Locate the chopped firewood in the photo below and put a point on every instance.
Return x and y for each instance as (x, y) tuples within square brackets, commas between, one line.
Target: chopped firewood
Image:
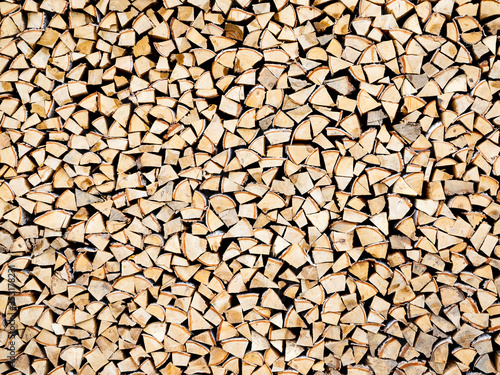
[(305, 187)]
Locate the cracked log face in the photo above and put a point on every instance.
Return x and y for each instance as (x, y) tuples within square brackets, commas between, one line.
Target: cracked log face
[(249, 187)]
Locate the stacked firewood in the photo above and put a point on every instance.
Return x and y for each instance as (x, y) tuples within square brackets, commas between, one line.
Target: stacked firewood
[(249, 187)]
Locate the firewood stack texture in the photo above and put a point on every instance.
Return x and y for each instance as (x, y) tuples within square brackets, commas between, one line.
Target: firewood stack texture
[(249, 187)]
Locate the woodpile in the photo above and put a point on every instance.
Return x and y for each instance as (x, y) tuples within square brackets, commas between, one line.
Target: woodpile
[(249, 187)]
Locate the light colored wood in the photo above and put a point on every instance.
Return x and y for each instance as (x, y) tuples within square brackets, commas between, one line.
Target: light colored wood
[(273, 187)]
